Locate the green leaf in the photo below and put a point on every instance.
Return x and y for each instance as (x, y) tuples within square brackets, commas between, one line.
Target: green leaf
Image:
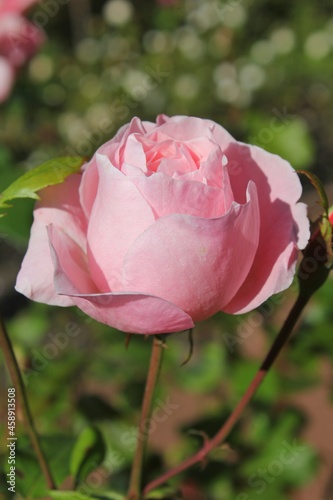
[(74, 495), (15, 227), (88, 453), (68, 495), (111, 495), (161, 493), (48, 174), (30, 483)]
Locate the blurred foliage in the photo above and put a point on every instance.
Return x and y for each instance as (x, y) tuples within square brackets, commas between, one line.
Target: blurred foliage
[(261, 69)]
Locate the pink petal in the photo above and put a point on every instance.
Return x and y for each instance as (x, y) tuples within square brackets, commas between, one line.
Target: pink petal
[(133, 153), (59, 205), (114, 148), (169, 196), (197, 264), (189, 128), (73, 261), (128, 312), (284, 224), (202, 128), (89, 186), (134, 127), (119, 215), (135, 312)]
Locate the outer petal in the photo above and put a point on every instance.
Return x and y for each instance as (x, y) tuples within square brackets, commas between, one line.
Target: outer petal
[(89, 186), (197, 264), (284, 224), (135, 312), (59, 205), (73, 262), (119, 215), (129, 312)]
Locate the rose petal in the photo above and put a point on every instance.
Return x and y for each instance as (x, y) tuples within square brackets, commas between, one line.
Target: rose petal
[(169, 196), (89, 186), (135, 127), (189, 128), (135, 312), (134, 154), (128, 312), (59, 205), (284, 224), (213, 130), (119, 215), (114, 147), (73, 262), (197, 264)]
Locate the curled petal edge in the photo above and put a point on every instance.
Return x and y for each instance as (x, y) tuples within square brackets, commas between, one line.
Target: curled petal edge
[(126, 311)]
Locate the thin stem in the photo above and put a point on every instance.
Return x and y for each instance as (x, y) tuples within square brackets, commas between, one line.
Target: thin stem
[(15, 375), (134, 492), (209, 445)]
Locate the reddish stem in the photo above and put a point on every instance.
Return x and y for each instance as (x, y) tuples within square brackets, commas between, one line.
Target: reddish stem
[(209, 445), (134, 492)]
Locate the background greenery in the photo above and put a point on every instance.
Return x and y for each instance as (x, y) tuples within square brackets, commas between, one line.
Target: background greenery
[(263, 69)]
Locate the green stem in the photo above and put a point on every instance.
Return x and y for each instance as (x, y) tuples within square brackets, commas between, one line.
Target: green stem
[(209, 445), (134, 492), (15, 375)]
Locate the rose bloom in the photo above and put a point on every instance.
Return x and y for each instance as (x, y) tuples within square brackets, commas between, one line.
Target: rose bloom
[(167, 224), (19, 40)]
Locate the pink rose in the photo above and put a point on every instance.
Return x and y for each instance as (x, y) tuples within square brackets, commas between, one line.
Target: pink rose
[(19, 40), (167, 224)]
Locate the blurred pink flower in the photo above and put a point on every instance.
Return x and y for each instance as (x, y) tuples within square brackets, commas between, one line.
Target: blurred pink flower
[(19, 40), (16, 6)]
